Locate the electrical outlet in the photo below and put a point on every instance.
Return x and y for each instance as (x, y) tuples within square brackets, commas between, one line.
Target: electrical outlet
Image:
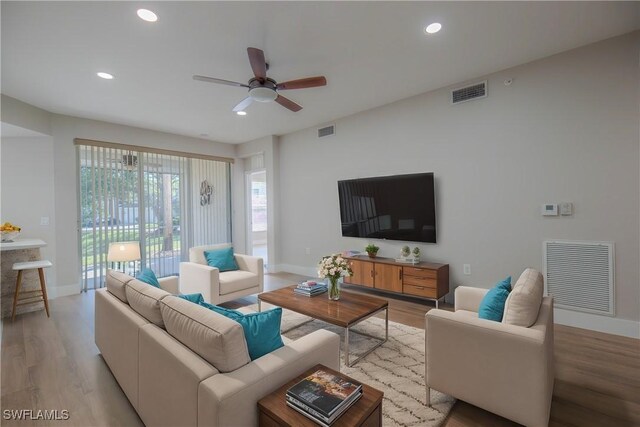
[(307, 251), (44, 220), (466, 268)]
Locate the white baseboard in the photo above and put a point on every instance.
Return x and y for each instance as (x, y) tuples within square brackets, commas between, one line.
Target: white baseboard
[(594, 322), (54, 292), (296, 269)]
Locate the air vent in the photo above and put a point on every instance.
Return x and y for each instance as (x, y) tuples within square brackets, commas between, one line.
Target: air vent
[(579, 275), (467, 93), (326, 131)]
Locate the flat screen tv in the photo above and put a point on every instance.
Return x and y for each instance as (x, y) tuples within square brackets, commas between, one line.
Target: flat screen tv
[(399, 207)]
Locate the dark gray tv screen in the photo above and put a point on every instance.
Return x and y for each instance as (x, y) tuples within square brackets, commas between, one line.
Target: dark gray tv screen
[(399, 207)]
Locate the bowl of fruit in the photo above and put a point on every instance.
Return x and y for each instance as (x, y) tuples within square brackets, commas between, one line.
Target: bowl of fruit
[(8, 232)]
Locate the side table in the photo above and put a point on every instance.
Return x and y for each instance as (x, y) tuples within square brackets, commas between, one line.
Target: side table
[(366, 412)]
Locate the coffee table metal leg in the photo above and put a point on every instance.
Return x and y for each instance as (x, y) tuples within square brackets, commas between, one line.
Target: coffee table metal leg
[(346, 346), (259, 305), (386, 324)]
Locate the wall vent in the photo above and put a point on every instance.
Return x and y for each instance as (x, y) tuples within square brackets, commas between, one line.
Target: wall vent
[(468, 93), (326, 131), (579, 275)]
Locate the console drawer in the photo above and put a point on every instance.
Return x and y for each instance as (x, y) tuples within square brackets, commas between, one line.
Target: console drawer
[(419, 281), (421, 291), (420, 272)]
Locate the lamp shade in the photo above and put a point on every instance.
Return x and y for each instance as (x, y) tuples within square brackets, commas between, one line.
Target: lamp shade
[(123, 251)]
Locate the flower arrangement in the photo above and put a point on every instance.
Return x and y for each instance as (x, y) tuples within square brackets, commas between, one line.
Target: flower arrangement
[(333, 267)]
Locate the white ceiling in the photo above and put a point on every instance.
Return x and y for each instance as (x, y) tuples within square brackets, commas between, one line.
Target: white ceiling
[(372, 53)]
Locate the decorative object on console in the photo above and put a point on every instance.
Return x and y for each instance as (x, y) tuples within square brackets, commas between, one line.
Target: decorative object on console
[(416, 254), (371, 250), (124, 252), (333, 267), (405, 252), (9, 231)]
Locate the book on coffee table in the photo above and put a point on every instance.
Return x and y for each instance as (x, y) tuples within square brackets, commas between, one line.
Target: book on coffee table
[(323, 396)]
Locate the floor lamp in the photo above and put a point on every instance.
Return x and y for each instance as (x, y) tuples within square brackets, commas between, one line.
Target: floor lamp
[(124, 252)]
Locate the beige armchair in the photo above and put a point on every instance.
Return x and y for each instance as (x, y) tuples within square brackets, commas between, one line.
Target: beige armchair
[(217, 287), (503, 368)]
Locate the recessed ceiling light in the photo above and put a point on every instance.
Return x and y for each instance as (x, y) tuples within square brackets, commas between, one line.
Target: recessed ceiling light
[(105, 75), (147, 15), (241, 113), (433, 28)]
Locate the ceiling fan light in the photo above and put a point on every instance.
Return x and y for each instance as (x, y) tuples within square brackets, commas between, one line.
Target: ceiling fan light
[(263, 94)]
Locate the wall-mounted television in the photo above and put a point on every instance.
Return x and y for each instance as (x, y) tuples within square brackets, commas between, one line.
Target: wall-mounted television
[(399, 207)]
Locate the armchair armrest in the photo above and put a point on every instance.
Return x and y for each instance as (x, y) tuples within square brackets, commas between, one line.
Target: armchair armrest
[(503, 368), (230, 399), (253, 264), (199, 278), (170, 284), (469, 298)]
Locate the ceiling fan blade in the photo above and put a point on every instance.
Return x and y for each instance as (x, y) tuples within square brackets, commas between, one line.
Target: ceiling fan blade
[(287, 103), (258, 63), (219, 81), (302, 83), (243, 104)]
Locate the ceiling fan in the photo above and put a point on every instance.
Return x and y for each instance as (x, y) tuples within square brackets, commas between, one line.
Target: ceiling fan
[(262, 88)]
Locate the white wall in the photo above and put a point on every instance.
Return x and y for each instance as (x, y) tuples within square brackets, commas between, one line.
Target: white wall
[(565, 130), (27, 193)]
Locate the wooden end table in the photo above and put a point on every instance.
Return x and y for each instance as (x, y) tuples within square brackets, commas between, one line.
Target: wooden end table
[(366, 412), (347, 312)]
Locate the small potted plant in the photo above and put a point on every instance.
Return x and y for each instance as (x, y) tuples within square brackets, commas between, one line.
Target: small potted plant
[(405, 252), (416, 254), (372, 250)]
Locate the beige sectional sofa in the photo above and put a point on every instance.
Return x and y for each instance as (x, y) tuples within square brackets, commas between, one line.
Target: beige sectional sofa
[(180, 364)]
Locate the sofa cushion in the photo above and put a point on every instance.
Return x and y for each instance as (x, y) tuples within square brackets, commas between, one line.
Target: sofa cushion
[(523, 303), (492, 305), (145, 300), (116, 282), (233, 281), (261, 329), (196, 254), (217, 339), (222, 259), (147, 276)]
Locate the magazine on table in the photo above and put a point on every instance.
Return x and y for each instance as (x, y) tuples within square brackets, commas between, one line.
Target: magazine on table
[(317, 416), (325, 392)]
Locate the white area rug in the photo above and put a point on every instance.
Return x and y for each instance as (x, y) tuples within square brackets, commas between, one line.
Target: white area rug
[(396, 368)]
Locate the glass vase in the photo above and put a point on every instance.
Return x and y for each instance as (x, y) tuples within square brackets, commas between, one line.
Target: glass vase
[(333, 291)]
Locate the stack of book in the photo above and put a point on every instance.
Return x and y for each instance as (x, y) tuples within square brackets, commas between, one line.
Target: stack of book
[(323, 396), (310, 288)]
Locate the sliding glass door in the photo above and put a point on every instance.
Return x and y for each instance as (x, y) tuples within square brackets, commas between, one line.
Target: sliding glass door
[(167, 203)]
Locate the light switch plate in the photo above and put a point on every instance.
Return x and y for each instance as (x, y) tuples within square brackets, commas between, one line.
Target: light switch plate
[(44, 220), (566, 208)]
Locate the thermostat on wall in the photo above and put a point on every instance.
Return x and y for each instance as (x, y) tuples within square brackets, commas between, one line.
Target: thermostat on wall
[(550, 209)]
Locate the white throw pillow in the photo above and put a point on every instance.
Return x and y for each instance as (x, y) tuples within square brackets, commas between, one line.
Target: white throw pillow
[(523, 304)]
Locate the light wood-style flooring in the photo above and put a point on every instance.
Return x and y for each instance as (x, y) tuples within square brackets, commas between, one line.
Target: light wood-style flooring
[(54, 364)]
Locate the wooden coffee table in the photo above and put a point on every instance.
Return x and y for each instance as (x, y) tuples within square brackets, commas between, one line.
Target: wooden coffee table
[(347, 312), (367, 411)]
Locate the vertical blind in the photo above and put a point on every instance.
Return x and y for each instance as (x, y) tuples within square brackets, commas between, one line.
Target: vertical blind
[(150, 197)]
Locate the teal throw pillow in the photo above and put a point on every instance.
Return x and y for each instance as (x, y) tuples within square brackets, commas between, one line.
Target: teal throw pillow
[(147, 275), (195, 298), (261, 330), (222, 259), (492, 305)]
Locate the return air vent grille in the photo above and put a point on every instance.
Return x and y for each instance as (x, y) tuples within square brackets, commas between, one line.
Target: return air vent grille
[(326, 131), (467, 93), (579, 275)]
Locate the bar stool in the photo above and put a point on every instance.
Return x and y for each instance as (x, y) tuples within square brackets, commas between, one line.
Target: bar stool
[(41, 294)]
